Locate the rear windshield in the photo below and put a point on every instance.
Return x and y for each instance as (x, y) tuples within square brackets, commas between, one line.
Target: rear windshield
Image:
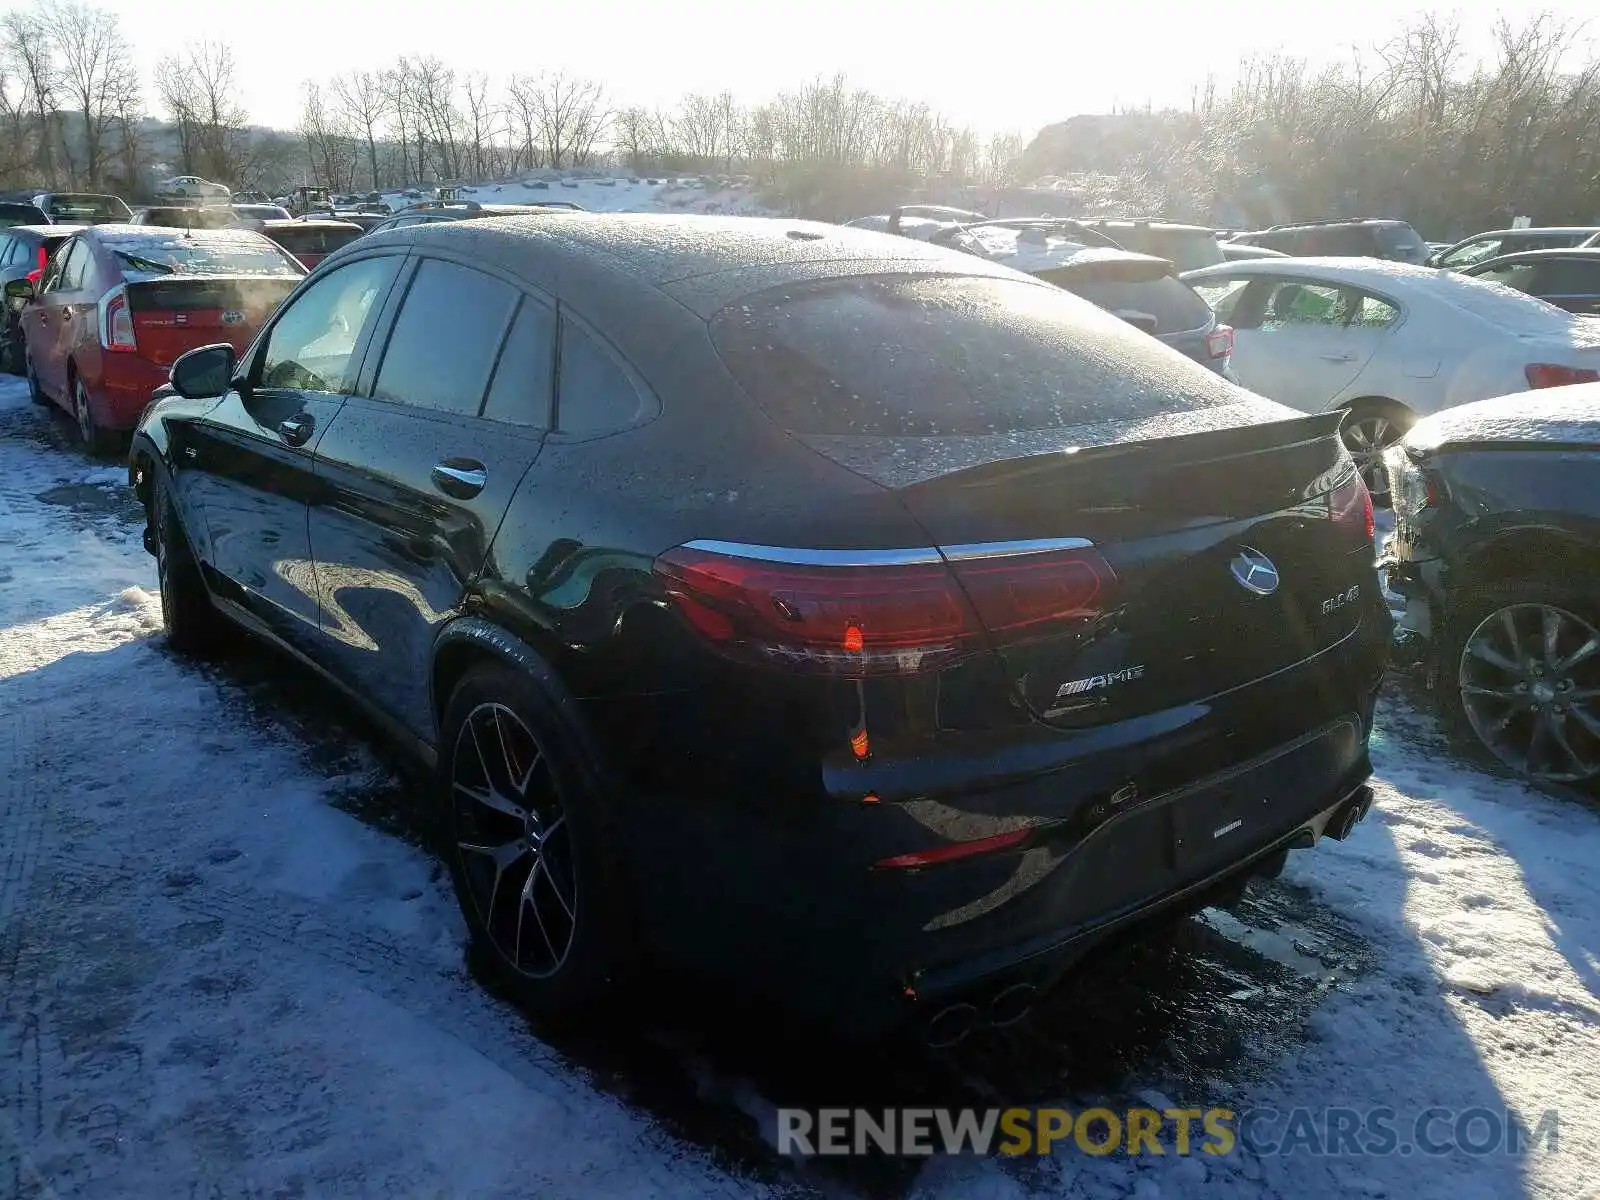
[(1173, 303), (1402, 238), (946, 356), (313, 240), (179, 257), (87, 208)]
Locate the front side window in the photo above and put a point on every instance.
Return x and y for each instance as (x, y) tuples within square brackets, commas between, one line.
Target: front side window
[(443, 344), (1222, 295), (312, 345)]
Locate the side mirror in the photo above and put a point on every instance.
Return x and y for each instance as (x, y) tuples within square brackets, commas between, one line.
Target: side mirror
[(204, 372), (19, 289)]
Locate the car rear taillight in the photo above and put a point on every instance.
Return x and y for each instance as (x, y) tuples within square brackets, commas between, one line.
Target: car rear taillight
[(38, 272), (861, 613), (1350, 505), (116, 322), (1219, 342), (1549, 375)]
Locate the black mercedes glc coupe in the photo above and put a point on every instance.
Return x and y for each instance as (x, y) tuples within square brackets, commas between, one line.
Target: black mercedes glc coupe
[(859, 622)]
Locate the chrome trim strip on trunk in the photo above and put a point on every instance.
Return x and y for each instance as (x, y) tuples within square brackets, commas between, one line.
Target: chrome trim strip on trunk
[(902, 557)]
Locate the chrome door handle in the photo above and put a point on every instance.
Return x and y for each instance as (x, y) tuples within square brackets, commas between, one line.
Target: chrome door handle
[(296, 430), (460, 477)]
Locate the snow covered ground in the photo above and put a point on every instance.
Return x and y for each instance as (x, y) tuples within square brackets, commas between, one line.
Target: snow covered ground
[(617, 193), (219, 978)]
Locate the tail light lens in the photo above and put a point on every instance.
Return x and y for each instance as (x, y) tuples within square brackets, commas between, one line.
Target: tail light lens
[(1350, 505), (1219, 342), (1548, 375), (116, 322), (906, 613)]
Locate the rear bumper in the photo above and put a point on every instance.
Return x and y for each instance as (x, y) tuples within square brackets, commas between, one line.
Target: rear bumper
[(778, 888), (123, 391)]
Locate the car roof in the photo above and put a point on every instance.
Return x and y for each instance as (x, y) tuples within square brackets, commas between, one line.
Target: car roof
[(726, 256), (47, 230), (1530, 229), (126, 235), (1150, 223), (1331, 222)]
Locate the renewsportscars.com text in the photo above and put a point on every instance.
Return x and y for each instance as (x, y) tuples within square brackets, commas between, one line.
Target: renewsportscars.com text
[(1263, 1132)]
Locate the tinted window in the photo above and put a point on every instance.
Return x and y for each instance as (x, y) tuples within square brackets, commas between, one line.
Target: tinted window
[(947, 356), (71, 208), (443, 344), (311, 345), (1517, 275), (1570, 277), (596, 394), (520, 392), (1173, 303), (1401, 242), (68, 276)]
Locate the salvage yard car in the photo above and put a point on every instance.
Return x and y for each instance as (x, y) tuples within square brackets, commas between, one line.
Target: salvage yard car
[(1389, 342), (312, 239), (876, 700), (1496, 551), (119, 303), (25, 252), (82, 208)]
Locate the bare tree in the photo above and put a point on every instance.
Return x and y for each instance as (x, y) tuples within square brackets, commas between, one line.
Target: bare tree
[(199, 90), (564, 116), (481, 119), (30, 47), (365, 100), (97, 73)]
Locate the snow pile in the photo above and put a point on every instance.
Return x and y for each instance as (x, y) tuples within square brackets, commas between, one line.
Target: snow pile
[(712, 195)]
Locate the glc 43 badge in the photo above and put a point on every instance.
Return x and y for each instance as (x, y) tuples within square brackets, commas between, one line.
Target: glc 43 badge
[(1335, 603)]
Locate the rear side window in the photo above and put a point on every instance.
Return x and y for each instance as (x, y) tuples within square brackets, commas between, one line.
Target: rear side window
[(520, 391), (74, 268), (1570, 277), (595, 394), (1517, 275), (947, 356), (1402, 242), (1173, 303), (1189, 250), (443, 344)]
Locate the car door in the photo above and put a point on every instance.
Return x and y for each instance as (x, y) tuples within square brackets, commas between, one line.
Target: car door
[(1294, 341), (246, 464), (48, 321), (413, 478)]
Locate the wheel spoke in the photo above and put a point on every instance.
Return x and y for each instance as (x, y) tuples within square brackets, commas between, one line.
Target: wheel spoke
[(493, 799), (1505, 694), (502, 856), (1536, 738), (523, 904), (531, 902), (1358, 435), (1550, 627), (1558, 731), (1380, 426), (1586, 718), (1481, 649), (568, 905), (1583, 652), (1508, 622), (1507, 717), (512, 774)]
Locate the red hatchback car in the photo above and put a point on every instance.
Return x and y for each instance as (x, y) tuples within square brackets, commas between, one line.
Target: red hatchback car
[(118, 303)]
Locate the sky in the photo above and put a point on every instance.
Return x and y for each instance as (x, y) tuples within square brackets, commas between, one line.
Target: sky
[(1000, 65)]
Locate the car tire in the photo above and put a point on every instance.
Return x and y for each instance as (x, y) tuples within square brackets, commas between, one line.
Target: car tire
[(99, 441), (12, 354), (530, 853), (1371, 427), (192, 621), (1495, 697)]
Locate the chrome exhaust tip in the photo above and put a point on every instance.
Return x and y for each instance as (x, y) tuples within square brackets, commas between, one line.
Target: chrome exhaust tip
[(1343, 822), (950, 1025), (1012, 1004)]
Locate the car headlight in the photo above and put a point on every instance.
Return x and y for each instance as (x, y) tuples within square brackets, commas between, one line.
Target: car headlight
[(1410, 490)]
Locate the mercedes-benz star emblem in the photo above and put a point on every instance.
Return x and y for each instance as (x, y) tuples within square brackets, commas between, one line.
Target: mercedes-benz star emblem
[(1255, 571)]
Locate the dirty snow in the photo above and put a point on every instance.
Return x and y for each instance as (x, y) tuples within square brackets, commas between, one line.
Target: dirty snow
[(214, 981)]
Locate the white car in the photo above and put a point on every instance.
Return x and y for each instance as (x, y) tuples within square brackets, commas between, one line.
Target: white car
[(192, 187), (1389, 341)]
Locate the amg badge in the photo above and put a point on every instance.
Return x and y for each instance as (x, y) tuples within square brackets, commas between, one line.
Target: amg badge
[(1076, 687)]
